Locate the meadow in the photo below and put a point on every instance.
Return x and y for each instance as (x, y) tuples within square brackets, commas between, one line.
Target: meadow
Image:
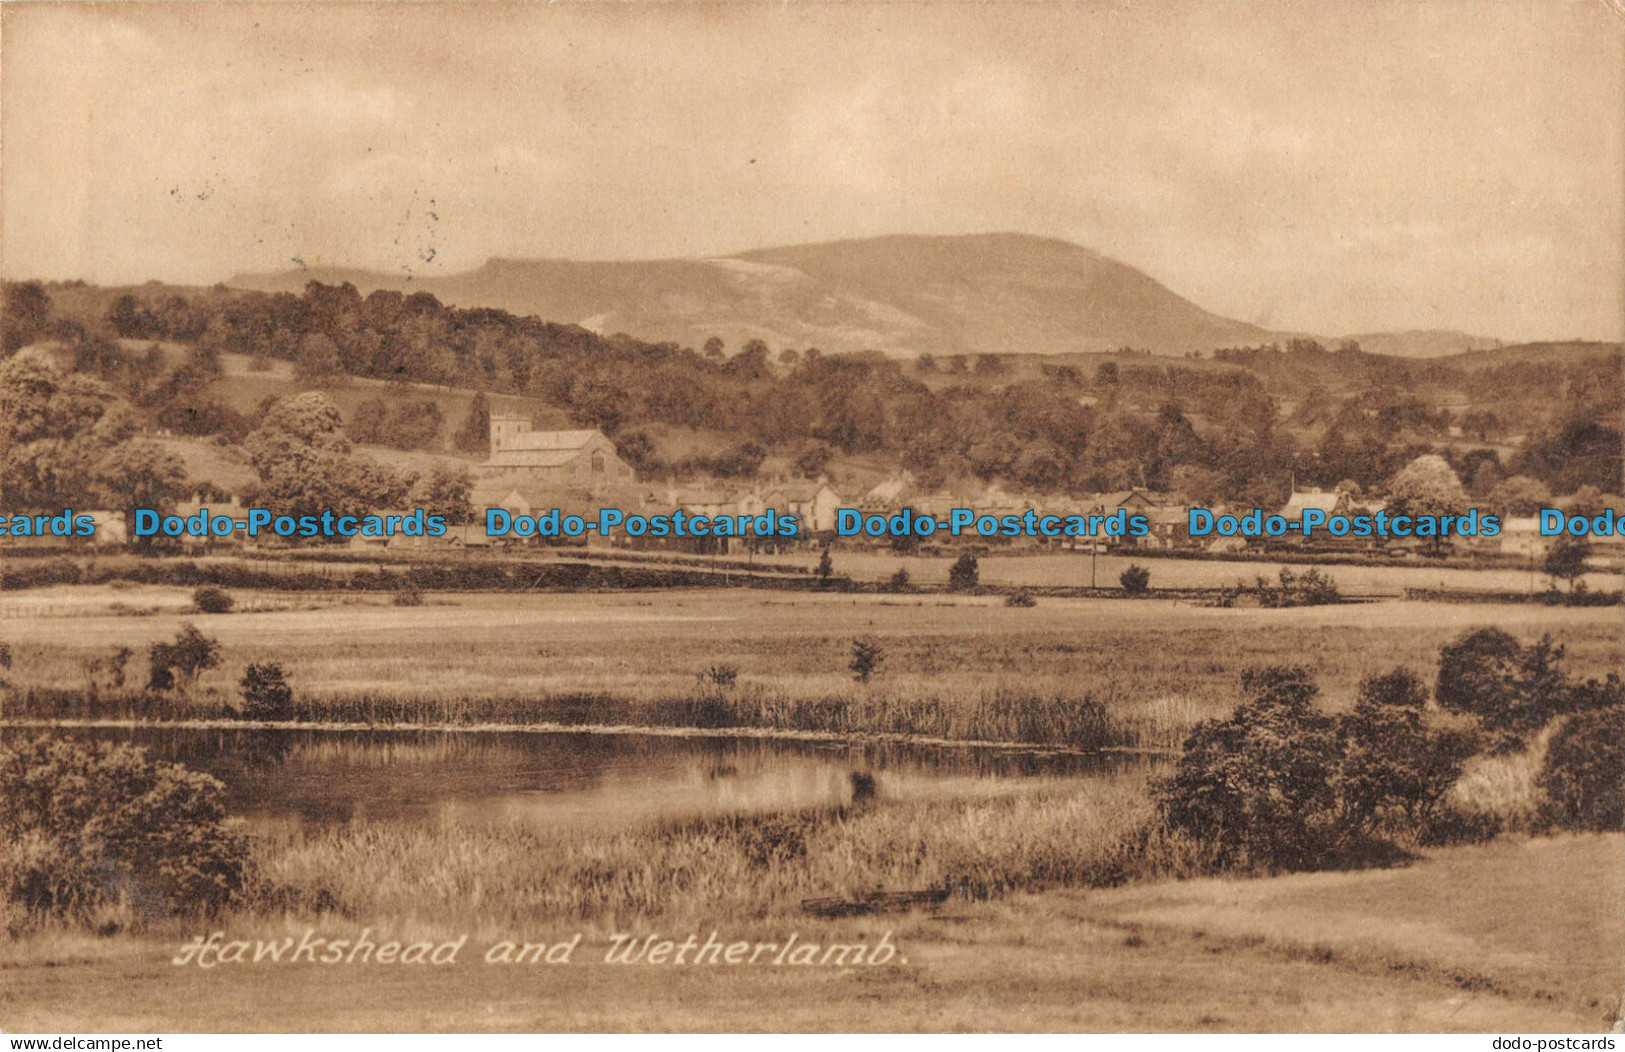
[(952, 666), (1032, 569)]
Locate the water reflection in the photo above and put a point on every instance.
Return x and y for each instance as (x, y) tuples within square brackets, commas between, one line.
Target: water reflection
[(318, 778)]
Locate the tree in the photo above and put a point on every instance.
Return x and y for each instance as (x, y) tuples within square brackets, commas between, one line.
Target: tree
[(368, 422), (413, 425), (900, 580), (1519, 495), (142, 474), (1566, 559), (305, 466), (25, 308), (192, 654), (867, 654), (475, 434), (296, 427), (826, 568), (965, 574), (1513, 690), (813, 461), (318, 360), (444, 492), (266, 694), (1584, 771), (1394, 765), (714, 349), (1136, 580), (57, 433), (1427, 486), (1257, 786)]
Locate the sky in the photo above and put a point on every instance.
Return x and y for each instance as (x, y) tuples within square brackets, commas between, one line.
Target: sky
[(1327, 166)]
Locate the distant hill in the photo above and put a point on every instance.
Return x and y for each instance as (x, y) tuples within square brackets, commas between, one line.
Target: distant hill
[(902, 295), (1559, 353), (1422, 343)]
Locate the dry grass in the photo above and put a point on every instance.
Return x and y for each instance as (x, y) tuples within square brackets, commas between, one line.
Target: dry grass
[(745, 868), (1502, 788)]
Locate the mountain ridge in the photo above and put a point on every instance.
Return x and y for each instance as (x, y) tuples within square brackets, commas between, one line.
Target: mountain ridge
[(900, 294)]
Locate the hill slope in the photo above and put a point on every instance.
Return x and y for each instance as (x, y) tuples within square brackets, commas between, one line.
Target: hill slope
[(1423, 343), (974, 294)]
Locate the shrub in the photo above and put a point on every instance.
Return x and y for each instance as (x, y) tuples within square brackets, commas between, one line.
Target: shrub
[(721, 677), (1566, 560), (266, 694), (899, 580), (1021, 599), (965, 574), (1257, 785), (1584, 773), (1311, 588), (83, 825), (1395, 769), (826, 568), (1136, 580), (212, 600), (408, 596), (867, 654), (1512, 690)]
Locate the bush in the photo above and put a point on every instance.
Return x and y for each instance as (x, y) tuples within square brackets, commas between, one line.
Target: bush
[(1136, 580), (1280, 785), (899, 580), (1394, 769), (867, 654), (965, 575), (1513, 690), (1257, 785), (85, 825), (1584, 773), (408, 596), (1311, 588), (722, 677), (266, 694), (212, 600), (1021, 599)]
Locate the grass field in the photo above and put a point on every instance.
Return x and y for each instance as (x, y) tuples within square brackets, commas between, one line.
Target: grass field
[(1072, 569), (1511, 937)]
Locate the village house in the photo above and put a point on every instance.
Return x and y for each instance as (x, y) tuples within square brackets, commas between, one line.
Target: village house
[(111, 528), (814, 504)]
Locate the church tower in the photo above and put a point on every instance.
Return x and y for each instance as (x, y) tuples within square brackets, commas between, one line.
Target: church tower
[(506, 426)]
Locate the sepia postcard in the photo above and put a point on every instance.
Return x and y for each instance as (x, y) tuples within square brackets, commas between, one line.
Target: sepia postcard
[(918, 517)]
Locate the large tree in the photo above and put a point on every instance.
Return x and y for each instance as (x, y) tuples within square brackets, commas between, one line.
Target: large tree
[(1428, 486), (59, 434)]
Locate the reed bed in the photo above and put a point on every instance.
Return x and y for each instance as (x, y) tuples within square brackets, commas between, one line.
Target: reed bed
[(1095, 833), (1001, 713)]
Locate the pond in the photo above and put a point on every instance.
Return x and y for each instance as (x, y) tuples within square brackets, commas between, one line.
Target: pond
[(313, 778)]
